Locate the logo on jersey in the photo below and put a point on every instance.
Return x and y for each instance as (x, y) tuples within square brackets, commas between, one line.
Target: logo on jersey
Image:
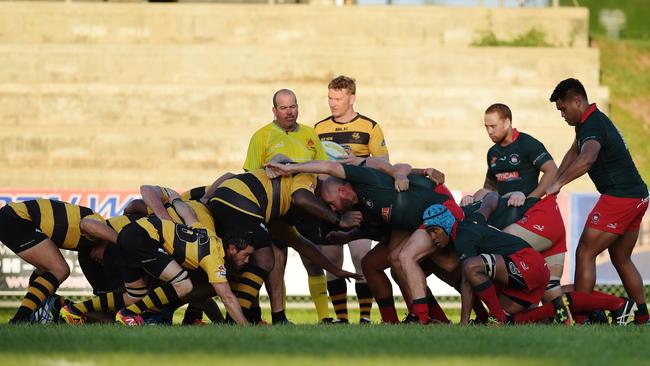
[(513, 269), (279, 145), (612, 225), (356, 136), (507, 176), (514, 159), (595, 218), (385, 213), (539, 227), (523, 266), (263, 227), (493, 161), (368, 203), (310, 143), (221, 271), (383, 143)]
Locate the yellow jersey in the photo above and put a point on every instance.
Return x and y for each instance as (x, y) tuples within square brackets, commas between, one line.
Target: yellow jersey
[(362, 135), (192, 246), (300, 145)]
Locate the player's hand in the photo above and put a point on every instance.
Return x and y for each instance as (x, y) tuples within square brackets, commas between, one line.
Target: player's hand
[(347, 275), (553, 189), (401, 182), (467, 200), (435, 175), (351, 219), (172, 194), (337, 237), (516, 199), (274, 170)]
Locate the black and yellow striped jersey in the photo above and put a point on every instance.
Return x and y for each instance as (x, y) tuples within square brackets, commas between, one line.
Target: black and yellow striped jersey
[(58, 220), (362, 135), (202, 212), (194, 194), (253, 193), (118, 223), (192, 246)]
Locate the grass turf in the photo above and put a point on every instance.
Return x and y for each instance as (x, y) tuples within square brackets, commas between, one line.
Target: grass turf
[(322, 345)]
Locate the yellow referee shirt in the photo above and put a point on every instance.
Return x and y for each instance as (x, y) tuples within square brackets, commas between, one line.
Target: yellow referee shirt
[(300, 145)]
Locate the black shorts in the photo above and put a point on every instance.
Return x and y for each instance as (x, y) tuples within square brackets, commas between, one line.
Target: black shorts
[(16, 233), (230, 222), (103, 277), (140, 253)]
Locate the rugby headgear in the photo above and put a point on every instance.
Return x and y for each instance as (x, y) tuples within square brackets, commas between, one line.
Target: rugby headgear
[(438, 215)]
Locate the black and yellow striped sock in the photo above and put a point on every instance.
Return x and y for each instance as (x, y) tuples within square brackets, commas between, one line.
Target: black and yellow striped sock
[(249, 286), (103, 302), (338, 290), (365, 300), (42, 287), (156, 299)]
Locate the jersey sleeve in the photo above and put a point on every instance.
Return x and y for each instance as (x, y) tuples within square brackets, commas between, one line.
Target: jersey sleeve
[(303, 181), (377, 143), (489, 174), (536, 153), (589, 132), (214, 263), (255, 155)]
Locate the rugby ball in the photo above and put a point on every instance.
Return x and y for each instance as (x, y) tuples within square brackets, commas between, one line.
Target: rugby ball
[(334, 151)]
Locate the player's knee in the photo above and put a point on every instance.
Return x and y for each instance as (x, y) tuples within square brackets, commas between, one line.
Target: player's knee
[(60, 270), (474, 266), (183, 288), (405, 258)]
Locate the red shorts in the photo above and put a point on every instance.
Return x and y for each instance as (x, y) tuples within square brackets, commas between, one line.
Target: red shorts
[(545, 220), (617, 215), (530, 266), (450, 204)]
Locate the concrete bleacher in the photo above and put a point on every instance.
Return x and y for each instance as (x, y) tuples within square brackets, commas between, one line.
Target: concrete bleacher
[(114, 95)]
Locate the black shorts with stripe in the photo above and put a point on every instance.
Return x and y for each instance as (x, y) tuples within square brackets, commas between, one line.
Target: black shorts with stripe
[(16, 233), (232, 223), (139, 254)]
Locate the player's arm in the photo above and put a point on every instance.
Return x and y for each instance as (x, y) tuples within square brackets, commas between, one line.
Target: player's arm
[(255, 153), (466, 300), (230, 302), (153, 197), (568, 159), (184, 210), (306, 248), (399, 172), (97, 230), (214, 186), (433, 174), (314, 167), (489, 185), (549, 170), (582, 163), (377, 144)]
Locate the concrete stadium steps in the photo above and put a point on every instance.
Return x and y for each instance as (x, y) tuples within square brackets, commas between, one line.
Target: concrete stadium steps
[(191, 107), (219, 65), (284, 26)]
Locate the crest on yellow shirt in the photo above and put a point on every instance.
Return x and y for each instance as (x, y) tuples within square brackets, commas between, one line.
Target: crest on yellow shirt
[(356, 136)]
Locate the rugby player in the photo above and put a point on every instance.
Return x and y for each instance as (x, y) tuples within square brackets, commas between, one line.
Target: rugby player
[(165, 250), (299, 143), (364, 138), (389, 197), (613, 224)]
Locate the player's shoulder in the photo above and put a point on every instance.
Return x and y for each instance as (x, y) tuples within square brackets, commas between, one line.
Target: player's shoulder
[(367, 119), (323, 122)]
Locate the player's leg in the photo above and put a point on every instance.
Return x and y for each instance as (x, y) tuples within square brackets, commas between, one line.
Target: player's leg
[(337, 287), (358, 250), (592, 242), (373, 265), (620, 253), (275, 284)]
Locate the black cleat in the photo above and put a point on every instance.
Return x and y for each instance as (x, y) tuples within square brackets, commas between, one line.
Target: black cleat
[(623, 315)]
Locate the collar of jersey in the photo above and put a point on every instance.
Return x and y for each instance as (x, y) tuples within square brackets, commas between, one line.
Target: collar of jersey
[(282, 129), (592, 108), (343, 123)]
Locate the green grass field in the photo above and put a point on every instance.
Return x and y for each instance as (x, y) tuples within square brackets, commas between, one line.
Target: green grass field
[(307, 344)]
